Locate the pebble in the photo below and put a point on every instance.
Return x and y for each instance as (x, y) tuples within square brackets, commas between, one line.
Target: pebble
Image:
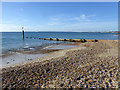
[(79, 68)]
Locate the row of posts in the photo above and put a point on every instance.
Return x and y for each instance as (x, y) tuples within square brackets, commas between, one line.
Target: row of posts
[(56, 39)]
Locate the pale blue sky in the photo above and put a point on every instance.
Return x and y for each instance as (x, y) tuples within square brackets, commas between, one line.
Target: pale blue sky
[(60, 16)]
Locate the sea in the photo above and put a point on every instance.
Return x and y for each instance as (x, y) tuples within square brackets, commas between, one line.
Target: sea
[(12, 41)]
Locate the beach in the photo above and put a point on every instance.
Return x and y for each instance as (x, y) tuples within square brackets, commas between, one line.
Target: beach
[(88, 65), (20, 57)]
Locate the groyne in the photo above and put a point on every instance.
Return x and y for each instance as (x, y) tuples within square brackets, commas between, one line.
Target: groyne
[(70, 40)]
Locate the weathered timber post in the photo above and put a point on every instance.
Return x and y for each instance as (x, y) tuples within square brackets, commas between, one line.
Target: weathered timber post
[(22, 33)]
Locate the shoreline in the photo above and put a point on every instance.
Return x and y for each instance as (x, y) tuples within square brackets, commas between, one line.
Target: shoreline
[(32, 48), (90, 64), (26, 48), (27, 56), (52, 52)]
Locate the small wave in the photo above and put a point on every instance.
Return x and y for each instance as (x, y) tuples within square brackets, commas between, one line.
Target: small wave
[(48, 47), (31, 48), (25, 47)]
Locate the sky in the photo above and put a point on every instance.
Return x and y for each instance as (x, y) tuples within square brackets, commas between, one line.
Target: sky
[(60, 16)]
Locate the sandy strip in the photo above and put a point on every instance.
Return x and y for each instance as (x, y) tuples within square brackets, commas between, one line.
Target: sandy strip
[(111, 51)]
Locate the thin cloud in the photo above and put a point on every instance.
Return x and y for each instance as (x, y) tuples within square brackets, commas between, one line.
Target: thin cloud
[(56, 20), (55, 23), (63, 19), (83, 17), (91, 15), (52, 23), (12, 28)]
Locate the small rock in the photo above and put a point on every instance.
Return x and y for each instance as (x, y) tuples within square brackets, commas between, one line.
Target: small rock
[(110, 80), (78, 78), (62, 85)]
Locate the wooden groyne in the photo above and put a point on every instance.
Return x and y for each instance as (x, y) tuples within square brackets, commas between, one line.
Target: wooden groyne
[(70, 40)]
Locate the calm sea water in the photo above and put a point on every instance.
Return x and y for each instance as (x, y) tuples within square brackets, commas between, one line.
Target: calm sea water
[(13, 40)]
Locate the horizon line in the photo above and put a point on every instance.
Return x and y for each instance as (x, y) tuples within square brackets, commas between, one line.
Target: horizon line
[(61, 31)]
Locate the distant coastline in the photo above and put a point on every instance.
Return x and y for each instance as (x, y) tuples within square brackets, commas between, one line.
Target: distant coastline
[(69, 31), (113, 32)]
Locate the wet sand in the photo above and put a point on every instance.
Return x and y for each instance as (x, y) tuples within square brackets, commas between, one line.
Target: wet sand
[(26, 56), (89, 65), (18, 58)]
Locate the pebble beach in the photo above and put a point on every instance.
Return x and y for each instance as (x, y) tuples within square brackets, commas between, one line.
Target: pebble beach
[(88, 65)]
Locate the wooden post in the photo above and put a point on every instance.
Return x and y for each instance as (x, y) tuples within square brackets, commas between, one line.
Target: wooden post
[(22, 33)]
